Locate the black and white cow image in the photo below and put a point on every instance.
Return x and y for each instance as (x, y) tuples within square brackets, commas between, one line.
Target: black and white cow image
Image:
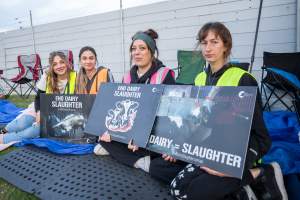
[(121, 118)]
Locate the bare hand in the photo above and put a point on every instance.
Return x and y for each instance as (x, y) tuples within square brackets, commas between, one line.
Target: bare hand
[(38, 117), (213, 172), (132, 147), (105, 137), (168, 158)]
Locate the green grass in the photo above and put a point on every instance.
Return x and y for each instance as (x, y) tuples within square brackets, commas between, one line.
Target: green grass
[(8, 191), (21, 102)]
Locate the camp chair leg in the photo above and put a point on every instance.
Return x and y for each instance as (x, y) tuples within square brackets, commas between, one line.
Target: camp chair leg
[(268, 99)]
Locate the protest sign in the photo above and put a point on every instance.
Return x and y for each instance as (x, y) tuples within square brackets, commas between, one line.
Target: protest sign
[(125, 111), (63, 117), (207, 126)]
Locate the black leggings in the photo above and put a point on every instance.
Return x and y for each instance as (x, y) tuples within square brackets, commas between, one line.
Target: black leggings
[(160, 169), (193, 183), (121, 153)]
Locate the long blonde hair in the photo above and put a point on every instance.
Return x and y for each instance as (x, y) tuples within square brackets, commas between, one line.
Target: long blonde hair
[(52, 80)]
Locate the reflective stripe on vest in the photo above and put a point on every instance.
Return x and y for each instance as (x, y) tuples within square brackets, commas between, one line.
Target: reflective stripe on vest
[(100, 78), (231, 77), (70, 84), (157, 78)]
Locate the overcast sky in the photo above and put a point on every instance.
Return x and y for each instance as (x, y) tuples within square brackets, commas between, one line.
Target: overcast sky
[(15, 13)]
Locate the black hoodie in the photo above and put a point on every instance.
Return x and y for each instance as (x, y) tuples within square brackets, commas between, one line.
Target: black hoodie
[(145, 79), (260, 141)]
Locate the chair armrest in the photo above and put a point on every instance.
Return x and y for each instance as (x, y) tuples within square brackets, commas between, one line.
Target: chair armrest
[(11, 68)]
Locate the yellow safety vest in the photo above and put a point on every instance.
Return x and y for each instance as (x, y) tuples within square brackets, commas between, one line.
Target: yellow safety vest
[(231, 77), (70, 88)]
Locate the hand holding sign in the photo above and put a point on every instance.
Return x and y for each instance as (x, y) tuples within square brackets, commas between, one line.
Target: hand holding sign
[(213, 172), (38, 117), (132, 147), (105, 137), (168, 158)]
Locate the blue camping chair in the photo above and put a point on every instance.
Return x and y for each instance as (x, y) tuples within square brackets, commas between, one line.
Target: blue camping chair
[(280, 79)]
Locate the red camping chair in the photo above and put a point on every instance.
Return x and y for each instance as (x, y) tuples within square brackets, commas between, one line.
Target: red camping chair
[(29, 67), (69, 55)]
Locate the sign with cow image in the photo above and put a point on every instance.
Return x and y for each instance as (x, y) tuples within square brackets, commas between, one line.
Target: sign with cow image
[(207, 126), (63, 117), (125, 111)]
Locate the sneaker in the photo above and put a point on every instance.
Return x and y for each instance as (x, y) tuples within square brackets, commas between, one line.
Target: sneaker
[(143, 163), (3, 131), (100, 151), (245, 193), (270, 185), (5, 146)]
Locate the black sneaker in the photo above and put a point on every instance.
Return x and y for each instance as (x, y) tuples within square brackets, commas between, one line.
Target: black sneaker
[(270, 185), (245, 193)]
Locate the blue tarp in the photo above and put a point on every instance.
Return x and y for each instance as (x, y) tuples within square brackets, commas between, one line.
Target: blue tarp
[(8, 111), (59, 147), (283, 128)]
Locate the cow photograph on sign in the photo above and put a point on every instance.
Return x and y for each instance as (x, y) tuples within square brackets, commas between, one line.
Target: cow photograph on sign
[(198, 124), (64, 117)]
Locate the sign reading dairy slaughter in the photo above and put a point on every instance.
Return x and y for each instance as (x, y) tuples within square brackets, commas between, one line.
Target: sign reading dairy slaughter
[(206, 126), (64, 117)]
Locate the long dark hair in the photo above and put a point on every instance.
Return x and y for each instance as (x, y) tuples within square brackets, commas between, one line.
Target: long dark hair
[(82, 78)]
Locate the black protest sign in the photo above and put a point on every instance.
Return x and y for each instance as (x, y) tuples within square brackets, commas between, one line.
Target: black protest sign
[(125, 111), (206, 126), (63, 117)]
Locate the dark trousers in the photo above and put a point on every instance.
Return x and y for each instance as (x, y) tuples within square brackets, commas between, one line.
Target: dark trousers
[(160, 169), (195, 183), (165, 171), (121, 153)]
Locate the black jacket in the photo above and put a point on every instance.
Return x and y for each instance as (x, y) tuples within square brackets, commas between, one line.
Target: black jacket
[(260, 140), (145, 79)]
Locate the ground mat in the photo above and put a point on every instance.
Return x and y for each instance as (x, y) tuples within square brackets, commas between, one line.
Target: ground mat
[(51, 176)]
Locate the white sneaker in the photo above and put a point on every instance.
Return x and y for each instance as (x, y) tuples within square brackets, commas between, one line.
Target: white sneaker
[(143, 163), (100, 151), (5, 146), (250, 193)]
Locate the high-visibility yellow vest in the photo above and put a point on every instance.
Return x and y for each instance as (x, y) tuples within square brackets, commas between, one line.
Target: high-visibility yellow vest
[(70, 87), (231, 77)]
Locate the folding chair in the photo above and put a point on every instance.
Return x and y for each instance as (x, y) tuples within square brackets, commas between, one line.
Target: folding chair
[(29, 67), (282, 80), (69, 55), (2, 91), (190, 64), (242, 65)]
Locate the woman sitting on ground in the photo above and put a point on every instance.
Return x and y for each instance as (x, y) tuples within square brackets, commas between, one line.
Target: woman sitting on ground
[(201, 182), (146, 69), (90, 77), (59, 79)]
